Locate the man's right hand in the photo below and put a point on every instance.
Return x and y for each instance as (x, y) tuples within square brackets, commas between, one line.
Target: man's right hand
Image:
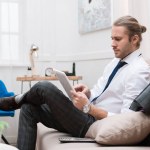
[(83, 88)]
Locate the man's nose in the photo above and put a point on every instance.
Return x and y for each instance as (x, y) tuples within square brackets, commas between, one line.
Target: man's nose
[(113, 44)]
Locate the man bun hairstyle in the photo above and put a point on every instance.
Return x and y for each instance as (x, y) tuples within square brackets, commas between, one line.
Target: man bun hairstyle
[(143, 29), (133, 27)]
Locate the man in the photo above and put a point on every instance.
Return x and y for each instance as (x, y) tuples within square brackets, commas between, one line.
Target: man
[(113, 93)]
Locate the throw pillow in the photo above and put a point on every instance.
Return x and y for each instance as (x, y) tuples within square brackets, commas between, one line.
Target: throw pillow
[(121, 129)]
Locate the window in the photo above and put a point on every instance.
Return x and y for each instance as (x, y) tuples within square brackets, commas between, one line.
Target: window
[(9, 30)]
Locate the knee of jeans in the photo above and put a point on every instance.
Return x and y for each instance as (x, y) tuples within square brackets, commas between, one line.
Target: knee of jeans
[(45, 84)]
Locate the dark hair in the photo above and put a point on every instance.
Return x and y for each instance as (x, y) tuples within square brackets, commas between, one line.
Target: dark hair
[(90, 1), (133, 27)]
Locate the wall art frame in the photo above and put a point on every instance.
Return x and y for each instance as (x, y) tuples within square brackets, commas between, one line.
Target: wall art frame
[(94, 15)]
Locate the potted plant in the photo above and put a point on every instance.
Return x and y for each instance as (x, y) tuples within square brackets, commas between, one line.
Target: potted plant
[(3, 126)]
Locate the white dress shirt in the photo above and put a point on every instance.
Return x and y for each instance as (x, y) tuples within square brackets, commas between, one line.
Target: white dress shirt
[(128, 82)]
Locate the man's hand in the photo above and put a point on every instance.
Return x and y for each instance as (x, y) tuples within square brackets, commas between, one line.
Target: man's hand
[(79, 99), (83, 88)]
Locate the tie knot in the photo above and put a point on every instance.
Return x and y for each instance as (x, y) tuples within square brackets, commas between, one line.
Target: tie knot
[(121, 64)]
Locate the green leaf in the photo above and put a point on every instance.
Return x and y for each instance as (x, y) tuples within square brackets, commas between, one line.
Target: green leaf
[(3, 125)]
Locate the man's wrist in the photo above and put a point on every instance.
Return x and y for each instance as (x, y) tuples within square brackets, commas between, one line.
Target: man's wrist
[(88, 93), (86, 108)]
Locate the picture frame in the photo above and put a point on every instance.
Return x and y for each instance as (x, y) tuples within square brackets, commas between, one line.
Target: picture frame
[(94, 15)]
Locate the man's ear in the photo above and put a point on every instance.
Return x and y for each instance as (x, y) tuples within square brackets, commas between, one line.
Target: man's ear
[(135, 39)]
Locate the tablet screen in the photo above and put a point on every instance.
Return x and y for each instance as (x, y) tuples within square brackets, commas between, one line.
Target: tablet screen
[(64, 81)]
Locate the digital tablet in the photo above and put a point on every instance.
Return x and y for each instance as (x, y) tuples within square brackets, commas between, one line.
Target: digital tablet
[(76, 140), (64, 81)]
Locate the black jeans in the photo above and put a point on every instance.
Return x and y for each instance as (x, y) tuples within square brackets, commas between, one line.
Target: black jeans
[(45, 103)]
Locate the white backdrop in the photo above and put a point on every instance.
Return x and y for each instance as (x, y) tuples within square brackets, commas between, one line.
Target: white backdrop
[(53, 26)]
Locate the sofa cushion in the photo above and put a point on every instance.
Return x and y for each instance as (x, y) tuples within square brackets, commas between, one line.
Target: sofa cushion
[(48, 138), (121, 129)]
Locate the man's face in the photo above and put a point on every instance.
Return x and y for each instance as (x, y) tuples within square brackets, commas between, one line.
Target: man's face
[(120, 42)]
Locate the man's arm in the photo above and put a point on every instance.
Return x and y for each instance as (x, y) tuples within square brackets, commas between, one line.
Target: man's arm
[(80, 100), (97, 113)]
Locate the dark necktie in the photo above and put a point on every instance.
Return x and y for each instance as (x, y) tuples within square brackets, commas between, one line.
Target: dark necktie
[(119, 65)]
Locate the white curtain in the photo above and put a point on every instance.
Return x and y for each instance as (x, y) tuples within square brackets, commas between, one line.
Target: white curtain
[(9, 31)]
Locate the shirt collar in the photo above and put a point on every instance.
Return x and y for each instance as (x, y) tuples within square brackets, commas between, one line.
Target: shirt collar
[(132, 56)]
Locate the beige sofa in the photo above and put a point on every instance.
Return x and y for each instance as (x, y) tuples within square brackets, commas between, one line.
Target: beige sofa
[(125, 129), (48, 140)]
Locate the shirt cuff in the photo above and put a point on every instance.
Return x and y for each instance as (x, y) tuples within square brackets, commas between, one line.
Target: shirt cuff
[(110, 114)]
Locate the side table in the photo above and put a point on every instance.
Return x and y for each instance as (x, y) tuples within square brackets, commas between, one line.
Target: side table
[(30, 79)]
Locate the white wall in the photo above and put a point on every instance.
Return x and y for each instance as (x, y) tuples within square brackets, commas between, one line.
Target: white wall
[(141, 10), (53, 26), (55, 29)]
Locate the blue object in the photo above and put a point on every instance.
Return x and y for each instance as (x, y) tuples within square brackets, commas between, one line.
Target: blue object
[(5, 93), (7, 113)]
